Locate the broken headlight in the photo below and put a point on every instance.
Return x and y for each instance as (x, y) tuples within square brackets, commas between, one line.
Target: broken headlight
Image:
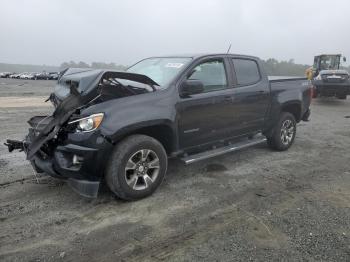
[(87, 124)]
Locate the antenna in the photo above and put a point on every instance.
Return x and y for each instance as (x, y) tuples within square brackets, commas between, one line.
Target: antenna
[(228, 50)]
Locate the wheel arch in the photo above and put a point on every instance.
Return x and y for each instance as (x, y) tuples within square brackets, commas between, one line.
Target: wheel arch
[(294, 108), (161, 130)]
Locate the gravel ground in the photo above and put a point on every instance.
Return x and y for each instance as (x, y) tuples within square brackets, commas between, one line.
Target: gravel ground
[(252, 205)]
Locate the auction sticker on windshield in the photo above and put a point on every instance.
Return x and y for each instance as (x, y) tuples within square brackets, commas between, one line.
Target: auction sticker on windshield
[(175, 65)]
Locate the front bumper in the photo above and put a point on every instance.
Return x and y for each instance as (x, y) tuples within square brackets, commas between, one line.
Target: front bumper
[(80, 159), (86, 188)]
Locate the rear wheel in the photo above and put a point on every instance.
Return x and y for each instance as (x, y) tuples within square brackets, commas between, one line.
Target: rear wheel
[(284, 132), (136, 167)]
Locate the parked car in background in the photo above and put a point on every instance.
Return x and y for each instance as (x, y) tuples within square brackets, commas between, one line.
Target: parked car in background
[(42, 76), (5, 74), (53, 76), (28, 76), (23, 75), (334, 83), (15, 75), (31, 75), (18, 76)]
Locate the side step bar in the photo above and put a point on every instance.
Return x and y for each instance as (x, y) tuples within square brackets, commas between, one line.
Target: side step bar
[(223, 150)]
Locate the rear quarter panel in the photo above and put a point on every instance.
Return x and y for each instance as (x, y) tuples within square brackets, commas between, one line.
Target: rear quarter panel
[(286, 92)]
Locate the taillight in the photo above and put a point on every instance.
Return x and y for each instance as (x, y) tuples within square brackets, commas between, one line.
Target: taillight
[(313, 93)]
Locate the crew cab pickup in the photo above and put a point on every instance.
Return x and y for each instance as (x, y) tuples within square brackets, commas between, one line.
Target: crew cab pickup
[(121, 127)]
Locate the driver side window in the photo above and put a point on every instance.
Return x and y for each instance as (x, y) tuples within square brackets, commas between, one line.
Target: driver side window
[(212, 74)]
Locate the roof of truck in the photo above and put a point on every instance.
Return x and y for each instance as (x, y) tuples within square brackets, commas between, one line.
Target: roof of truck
[(199, 55), (329, 55)]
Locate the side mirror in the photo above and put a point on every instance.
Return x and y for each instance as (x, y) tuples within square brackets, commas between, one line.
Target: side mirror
[(344, 59), (191, 87)]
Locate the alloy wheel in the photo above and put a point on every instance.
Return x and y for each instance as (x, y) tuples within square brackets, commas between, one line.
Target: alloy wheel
[(287, 132), (142, 169)]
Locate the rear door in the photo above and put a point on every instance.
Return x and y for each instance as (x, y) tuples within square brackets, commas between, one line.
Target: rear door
[(251, 95)]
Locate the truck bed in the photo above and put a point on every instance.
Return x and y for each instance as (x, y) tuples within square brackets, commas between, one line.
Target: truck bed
[(292, 87), (288, 83), (282, 78)]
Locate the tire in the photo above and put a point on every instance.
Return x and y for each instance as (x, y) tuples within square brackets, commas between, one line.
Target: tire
[(130, 176), (283, 133)]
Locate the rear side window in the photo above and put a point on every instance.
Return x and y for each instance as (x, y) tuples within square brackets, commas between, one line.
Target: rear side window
[(247, 71)]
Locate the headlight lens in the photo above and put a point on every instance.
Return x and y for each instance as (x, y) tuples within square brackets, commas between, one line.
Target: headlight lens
[(86, 124), (318, 77), (89, 123)]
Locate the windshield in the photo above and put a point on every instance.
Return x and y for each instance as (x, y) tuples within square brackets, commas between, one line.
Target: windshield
[(161, 70), (329, 62)]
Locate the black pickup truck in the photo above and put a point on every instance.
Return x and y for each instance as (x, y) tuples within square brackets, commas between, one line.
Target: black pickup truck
[(121, 127)]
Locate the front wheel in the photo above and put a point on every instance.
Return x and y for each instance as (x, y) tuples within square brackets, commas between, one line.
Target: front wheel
[(137, 167), (284, 132)]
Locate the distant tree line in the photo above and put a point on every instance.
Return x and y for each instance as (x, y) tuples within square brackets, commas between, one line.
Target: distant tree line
[(287, 68), (272, 66), (97, 65), (284, 68)]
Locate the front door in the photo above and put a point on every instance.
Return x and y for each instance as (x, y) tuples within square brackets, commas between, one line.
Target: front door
[(206, 117)]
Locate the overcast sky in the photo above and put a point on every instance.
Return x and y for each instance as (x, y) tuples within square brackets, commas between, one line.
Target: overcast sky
[(53, 31)]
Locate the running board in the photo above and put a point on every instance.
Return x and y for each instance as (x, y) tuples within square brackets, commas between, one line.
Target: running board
[(223, 150)]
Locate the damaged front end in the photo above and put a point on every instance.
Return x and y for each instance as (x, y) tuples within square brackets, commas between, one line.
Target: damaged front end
[(68, 144)]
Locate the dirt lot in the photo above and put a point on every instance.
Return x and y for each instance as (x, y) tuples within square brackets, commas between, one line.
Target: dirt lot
[(253, 205)]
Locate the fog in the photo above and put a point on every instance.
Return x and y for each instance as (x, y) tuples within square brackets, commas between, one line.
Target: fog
[(51, 32)]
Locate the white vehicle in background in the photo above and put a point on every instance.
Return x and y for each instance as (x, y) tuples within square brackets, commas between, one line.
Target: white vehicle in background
[(5, 74), (32, 76), (15, 76), (27, 76), (54, 75), (23, 75)]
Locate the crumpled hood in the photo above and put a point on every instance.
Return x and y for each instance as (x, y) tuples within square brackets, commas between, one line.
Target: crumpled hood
[(85, 80), (77, 88)]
